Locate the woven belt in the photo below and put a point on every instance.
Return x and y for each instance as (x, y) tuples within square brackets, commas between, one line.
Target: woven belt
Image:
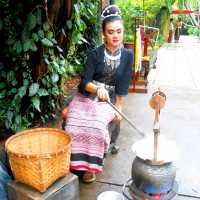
[(108, 87)]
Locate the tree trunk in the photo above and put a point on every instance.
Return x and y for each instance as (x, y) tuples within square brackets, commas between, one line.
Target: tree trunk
[(104, 3), (59, 11), (69, 8), (162, 21)]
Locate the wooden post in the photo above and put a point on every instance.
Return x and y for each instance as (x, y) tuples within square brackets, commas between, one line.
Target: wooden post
[(157, 102)]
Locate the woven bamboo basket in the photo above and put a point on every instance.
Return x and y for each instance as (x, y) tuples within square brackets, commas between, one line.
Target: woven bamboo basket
[(39, 156)]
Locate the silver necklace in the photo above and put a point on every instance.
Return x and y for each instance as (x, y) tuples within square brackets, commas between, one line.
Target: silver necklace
[(111, 57)]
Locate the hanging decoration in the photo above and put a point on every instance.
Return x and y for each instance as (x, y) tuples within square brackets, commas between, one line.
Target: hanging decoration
[(138, 51)]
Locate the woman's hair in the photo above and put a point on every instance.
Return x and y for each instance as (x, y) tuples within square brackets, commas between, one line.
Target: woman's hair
[(110, 14)]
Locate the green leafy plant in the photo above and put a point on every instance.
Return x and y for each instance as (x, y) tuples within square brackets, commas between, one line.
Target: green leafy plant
[(193, 31), (129, 38), (129, 11), (83, 39), (29, 45)]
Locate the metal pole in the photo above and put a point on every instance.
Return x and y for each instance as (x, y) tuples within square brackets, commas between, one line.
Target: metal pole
[(126, 118)]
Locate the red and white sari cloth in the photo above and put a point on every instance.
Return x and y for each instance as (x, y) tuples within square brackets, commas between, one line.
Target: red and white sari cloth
[(87, 122)]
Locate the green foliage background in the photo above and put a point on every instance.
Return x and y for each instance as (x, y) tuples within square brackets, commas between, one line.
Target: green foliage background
[(156, 12), (28, 40)]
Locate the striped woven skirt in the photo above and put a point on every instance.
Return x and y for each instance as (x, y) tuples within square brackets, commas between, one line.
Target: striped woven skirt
[(87, 122)]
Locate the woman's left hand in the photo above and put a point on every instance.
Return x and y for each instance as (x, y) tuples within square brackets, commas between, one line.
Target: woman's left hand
[(118, 105), (118, 117), (102, 94)]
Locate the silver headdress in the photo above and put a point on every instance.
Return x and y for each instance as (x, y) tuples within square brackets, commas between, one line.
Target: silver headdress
[(110, 11)]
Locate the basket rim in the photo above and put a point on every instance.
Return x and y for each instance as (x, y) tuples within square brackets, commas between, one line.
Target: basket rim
[(42, 155)]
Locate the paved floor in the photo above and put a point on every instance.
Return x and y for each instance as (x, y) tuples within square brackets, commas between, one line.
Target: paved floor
[(178, 75)]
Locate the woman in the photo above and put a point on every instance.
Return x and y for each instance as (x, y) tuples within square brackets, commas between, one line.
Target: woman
[(171, 30), (178, 30), (106, 77)]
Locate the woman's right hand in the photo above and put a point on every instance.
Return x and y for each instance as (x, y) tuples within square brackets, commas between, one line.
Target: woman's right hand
[(103, 94)]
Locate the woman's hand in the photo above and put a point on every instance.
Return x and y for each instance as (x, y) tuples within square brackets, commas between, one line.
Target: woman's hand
[(118, 117), (118, 105), (102, 94)]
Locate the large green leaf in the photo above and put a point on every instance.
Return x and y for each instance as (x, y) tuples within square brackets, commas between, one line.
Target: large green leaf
[(55, 78), (46, 61), (47, 42), (69, 24), (36, 103), (33, 47), (54, 41), (50, 35), (14, 82), (10, 76), (27, 45), (19, 21), (10, 115), (31, 21), (33, 89), (18, 121), (55, 91), (46, 26), (76, 7), (2, 94), (91, 13), (22, 91), (41, 33), (25, 82), (18, 47), (56, 65), (2, 85), (13, 91), (35, 37), (42, 92)]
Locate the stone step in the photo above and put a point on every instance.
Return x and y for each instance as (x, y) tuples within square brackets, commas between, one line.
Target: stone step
[(66, 188)]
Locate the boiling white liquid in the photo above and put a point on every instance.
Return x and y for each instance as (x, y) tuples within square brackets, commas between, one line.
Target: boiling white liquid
[(167, 150)]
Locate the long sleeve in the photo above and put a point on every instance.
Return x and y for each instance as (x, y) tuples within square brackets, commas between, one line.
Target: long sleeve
[(125, 76), (89, 71)]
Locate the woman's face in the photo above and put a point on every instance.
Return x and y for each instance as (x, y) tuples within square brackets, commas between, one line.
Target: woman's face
[(113, 34)]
